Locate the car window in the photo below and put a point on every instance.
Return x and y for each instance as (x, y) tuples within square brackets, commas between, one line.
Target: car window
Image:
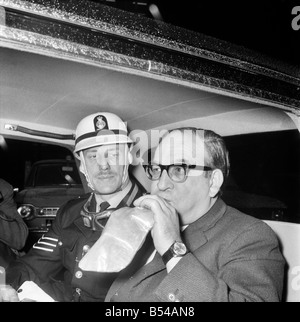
[(19, 156), (265, 174), (56, 174)]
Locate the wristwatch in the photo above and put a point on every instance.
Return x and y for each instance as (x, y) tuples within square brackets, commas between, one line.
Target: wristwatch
[(177, 249)]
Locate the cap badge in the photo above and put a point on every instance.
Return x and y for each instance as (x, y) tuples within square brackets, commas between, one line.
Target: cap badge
[(100, 123)]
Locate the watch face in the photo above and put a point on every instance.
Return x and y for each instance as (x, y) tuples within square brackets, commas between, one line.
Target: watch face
[(179, 249)]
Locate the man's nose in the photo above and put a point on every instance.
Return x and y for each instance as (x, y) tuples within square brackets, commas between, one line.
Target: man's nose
[(102, 162), (164, 181)]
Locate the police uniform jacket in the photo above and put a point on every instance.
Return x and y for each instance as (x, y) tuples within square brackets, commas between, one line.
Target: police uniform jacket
[(13, 230), (52, 263)]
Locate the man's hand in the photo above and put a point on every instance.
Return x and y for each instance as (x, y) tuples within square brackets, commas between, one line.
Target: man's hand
[(166, 228), (8, 294)]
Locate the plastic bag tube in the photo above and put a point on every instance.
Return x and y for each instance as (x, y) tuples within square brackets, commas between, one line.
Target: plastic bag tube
[(122, 237)]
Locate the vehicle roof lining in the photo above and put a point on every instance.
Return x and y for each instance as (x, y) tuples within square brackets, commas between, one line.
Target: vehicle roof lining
[(51, 94)]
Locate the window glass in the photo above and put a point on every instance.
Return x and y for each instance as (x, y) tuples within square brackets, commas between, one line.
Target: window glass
[(18, 157), (265, 175), (56, 174)]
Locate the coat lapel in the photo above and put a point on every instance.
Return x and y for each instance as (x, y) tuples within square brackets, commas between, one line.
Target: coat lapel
[(195, 235)]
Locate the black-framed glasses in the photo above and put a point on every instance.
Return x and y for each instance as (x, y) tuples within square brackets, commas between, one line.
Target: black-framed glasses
[(176, 172)]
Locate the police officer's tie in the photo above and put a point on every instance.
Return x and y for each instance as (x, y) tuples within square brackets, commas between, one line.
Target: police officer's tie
[(102, 221), (104, 205)]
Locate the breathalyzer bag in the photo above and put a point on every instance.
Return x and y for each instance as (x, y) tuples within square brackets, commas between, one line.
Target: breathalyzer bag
[(123, 235)]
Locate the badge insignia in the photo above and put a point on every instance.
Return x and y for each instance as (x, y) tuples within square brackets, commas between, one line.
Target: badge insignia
[(100, 123)]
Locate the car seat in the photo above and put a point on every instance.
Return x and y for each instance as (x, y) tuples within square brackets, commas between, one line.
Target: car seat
[(289, 238)]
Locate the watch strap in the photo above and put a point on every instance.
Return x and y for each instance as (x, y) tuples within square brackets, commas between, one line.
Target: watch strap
[(169, 254)]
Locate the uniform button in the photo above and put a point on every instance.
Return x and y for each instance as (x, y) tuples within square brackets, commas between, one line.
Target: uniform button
[(86, 248), (171, 297), (78, 274), (60, 243)]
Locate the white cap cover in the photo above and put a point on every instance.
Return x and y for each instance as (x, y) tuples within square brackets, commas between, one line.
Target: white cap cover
[(100, 129)]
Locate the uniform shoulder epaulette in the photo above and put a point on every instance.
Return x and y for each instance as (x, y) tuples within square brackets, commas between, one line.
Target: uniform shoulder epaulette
[(71, 209), (77, 200)]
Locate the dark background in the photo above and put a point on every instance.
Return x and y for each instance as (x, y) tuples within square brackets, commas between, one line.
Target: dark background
[(18, 156), (261, 25)]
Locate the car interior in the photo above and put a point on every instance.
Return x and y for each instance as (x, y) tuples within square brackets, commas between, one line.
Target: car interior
[(47, 87)]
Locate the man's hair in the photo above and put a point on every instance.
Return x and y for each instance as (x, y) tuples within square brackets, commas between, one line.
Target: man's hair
[(217, 156)]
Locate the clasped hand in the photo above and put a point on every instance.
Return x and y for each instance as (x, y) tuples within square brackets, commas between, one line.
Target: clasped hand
[(166, 228)]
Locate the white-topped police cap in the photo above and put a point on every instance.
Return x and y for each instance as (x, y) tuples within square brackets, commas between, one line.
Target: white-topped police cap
[(100, 129)]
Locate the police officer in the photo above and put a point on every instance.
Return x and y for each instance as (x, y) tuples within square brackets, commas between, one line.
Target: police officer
[(103, 147)]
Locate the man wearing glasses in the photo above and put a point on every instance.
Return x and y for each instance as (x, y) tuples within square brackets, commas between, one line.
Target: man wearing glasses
[(204, 250)]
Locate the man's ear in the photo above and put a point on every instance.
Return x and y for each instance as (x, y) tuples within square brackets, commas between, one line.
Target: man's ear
[(216, 181)]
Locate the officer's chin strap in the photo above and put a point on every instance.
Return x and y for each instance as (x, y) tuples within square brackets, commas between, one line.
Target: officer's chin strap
[(93, 219), (83, 169), (125, 176)]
